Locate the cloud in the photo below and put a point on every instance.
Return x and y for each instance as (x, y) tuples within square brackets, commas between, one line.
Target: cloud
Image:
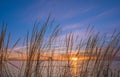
[(72, 26), (106, 13), (19, 49), (70, 13), (59, 10), (92, 20)]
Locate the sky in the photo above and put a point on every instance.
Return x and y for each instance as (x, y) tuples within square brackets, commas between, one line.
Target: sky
[(72, 15)]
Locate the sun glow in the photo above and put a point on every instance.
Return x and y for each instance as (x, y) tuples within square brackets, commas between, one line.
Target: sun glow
[(74, 58)]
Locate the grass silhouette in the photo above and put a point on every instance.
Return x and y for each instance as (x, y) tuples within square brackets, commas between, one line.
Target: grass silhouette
[(99, 50)]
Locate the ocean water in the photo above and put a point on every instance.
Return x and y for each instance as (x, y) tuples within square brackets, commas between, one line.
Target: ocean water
[(55, 68)]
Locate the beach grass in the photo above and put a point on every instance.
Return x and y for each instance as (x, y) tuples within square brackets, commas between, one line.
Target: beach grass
[(93, 55)]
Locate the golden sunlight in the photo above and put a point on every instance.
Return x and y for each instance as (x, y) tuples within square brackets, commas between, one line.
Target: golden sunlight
[(74, 58)]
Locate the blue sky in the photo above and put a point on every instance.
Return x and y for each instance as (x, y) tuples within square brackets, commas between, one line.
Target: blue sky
[(72, 15)]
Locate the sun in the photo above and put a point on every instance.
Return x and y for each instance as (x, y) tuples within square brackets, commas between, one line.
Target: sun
[(74, 58)]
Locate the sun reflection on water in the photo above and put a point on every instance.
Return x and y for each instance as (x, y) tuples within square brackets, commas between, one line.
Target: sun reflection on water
[(74, 65)]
